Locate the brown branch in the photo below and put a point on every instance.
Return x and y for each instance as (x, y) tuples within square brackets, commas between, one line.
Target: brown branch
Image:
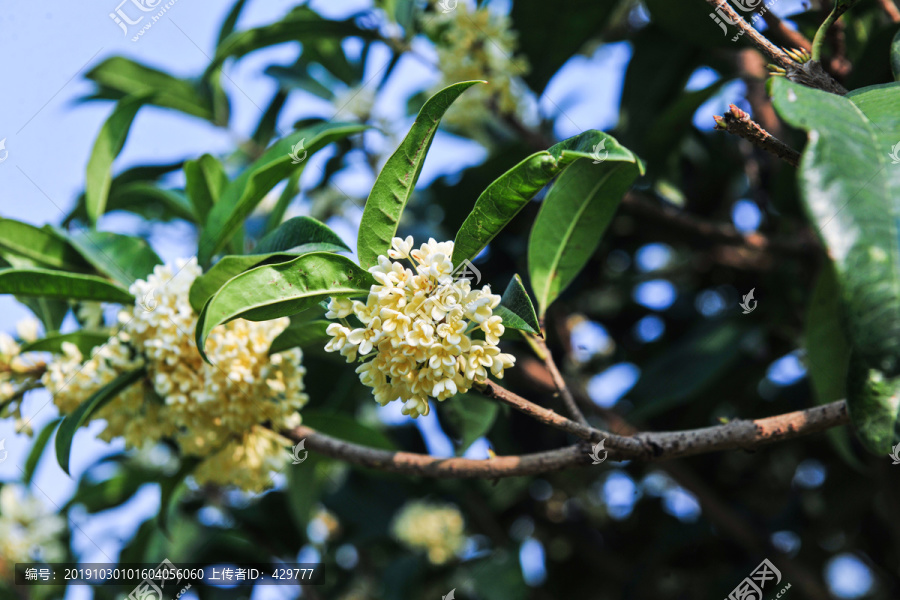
[(737, 122), (891, 9), (543, 352), (648, 446)]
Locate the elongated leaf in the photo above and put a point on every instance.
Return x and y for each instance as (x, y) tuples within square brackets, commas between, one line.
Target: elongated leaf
[(40, 246), (242, 195), (574, 215), (205, 179), (84, 340), (106, 148), (506, 196), (873, 401), (301, 335), (281, 290), (468, 417), (228, 266), (301, 24), (230, 21), (395, 184), (895, 56), (83, 413), (828, 354), (58, 284), (119, 77), (120, 257), (516, 309), (850, 190), (301, 234), (49, 312), (37, 450)]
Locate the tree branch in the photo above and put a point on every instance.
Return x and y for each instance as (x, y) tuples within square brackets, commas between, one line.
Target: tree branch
[(543, 352), (891, 9), (739, 123), (649, 446)]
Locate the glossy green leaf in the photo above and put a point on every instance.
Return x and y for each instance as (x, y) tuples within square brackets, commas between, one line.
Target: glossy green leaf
[(37, 450), (828, 354), (86, 409), (873, 401), (301, 24), (577, 210), (84, 340), (106, 148), (301, 234), (510, 193), (301, 334), (228, 266), (230, 21), (281, 290), (467, 418), (41, 246), (58, 284), (49, 312), (516, 308), (205, 179), (119, 77), (242, 195), (850, 190), (395, 184), (122, 258)]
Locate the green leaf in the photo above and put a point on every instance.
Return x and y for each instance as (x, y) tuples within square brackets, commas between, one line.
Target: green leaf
[(84, 340), (895, 56), (510, 193), (301, 335), (119, 77), (301, 234), (828, 354), (230, 21), (568, 228), (850, 190), (395, 184), (83, 413), (205, 179), (37, 450), (281, 290), (228, 266), (242, 195), (468, 417), (873, 401), (51, 313), (516, 308), (301, 24), (106, 148), (122, 258), (40, 246), (58, 284)]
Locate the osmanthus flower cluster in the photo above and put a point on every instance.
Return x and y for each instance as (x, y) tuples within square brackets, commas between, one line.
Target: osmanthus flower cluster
[(212, 411), (419, 329), (18, 373), (29, 532), (477, 45), (436, 529)]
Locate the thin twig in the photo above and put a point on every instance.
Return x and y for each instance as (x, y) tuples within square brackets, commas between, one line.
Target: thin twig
[(565, 393), (739, 123), (891, 9), (776, 54)]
